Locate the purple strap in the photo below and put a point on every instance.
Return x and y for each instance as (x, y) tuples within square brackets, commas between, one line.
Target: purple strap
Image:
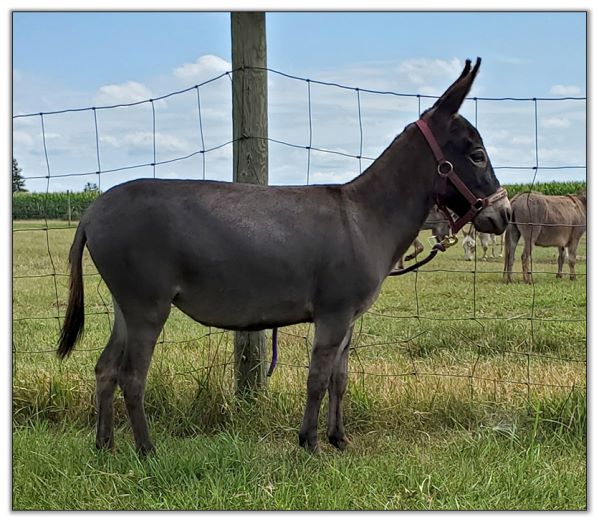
[(275, 353)]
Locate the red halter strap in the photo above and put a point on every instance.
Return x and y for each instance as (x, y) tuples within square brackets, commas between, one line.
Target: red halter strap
[(446, 172)]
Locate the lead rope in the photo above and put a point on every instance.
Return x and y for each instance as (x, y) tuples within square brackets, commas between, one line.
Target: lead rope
[(441, 246)]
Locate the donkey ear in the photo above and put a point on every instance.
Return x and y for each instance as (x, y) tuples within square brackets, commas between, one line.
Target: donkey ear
[(451, 100)]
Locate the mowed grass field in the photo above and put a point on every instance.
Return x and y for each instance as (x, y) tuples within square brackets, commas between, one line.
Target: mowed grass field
[(464, 393)]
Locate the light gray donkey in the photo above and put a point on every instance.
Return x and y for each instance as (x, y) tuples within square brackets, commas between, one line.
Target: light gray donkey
[(545, 221), (486, 240), (249, 257)]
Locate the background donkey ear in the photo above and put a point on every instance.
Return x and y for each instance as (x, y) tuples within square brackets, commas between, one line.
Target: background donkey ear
[(451, 100)]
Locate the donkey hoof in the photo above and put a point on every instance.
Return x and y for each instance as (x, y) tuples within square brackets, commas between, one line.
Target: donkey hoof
[(105, 444), (340, 442), (145, 450), (309, 443), (559, 276)]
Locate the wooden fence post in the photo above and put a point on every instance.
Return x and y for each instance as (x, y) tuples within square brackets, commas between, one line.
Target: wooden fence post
[(250, 159)]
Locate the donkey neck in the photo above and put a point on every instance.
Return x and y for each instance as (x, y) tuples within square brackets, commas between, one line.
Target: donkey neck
[(395, 194)]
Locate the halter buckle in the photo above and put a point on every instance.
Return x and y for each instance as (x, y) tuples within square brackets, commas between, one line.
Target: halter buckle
[(449, 241), (444, 168)]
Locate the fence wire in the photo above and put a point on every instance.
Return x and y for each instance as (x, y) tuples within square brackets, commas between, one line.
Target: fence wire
[(360, 342)]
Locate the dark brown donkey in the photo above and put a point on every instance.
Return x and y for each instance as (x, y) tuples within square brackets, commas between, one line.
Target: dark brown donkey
[(310, 254), (545, 221)]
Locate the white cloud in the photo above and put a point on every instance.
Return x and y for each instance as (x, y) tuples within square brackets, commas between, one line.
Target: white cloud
[(513, 60), (204, 68), (138, 141), (428, 90), (565, 90), (110, 141), (22, 138), (421, 71), (25, 139), (50, 135), (555, 123), (128, 92), (523, 140), (332, 176), (163, 141)]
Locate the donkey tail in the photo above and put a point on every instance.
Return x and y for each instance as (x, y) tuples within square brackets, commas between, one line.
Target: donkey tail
[(72, 328)]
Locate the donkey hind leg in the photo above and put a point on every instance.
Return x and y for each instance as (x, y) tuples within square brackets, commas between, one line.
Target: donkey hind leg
[(562, 254), (329, 339), (337, 387), (571, 253), (530, 238), (106, 380), (143, 328)]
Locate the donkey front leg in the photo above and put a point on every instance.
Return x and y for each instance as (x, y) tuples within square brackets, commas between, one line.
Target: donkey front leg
[(337, 387), (562, 255), (529, 241), (329, 340)]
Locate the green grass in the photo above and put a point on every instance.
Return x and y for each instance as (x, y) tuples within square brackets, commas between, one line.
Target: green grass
[(239, 469), (464, 393)]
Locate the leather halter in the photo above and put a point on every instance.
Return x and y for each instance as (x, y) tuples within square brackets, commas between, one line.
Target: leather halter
[(446, 172)]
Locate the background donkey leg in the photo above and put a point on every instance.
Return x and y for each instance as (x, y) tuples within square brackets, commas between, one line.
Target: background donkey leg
[(530, 238), (562, 253), (418, 248), (106, 380), (512, 235), (337, 387), (492, 242), (328, 340), (571, 248), (143, 327), (484, 243)]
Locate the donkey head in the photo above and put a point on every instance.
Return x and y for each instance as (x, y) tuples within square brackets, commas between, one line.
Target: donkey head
[(469, 244), (463, 146), (582, 197)]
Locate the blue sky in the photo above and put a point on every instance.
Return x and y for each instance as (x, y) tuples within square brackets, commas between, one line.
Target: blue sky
[(65, 60)]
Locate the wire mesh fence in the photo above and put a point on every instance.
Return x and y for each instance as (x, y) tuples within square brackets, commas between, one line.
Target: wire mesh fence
[(443, 304)]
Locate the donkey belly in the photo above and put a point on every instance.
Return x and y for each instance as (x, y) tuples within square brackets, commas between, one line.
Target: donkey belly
[(243, 305), (554, 236)]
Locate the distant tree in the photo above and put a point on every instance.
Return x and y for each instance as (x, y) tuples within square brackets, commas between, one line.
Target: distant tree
[(18, 183), (91, 187)]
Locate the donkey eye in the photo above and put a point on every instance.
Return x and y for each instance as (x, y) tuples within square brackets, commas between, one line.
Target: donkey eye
[(478, 157)]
